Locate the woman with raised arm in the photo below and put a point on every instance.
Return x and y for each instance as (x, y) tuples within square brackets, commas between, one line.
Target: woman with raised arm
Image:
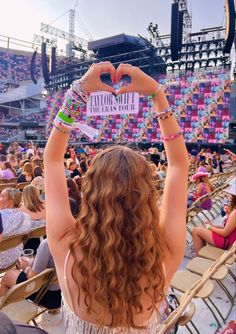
[(116, 260)]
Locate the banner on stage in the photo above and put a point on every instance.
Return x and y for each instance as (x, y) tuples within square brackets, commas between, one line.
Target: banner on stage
[(104, 103)]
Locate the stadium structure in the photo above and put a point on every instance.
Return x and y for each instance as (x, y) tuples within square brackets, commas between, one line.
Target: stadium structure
[(197, 70)]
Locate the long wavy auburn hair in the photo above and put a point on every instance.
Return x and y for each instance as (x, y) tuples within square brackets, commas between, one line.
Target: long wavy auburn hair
[(119, 237)]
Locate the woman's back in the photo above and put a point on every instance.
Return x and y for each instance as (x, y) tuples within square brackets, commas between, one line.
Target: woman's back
[(79, 321)]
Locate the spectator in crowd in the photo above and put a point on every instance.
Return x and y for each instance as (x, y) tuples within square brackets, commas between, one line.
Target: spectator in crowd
[(7, 171), (203, 187), (21, 164), (209, 166), (32, 204), (119, 246), (2, 149), (67, 172), (221, 237), (217, 163), (14, 222), (202, 167), (27, 174), (13, 160), (38, 182), (73, 190), (38, 171), (72, 167), (83, 167), (43, 260), (162, 169)]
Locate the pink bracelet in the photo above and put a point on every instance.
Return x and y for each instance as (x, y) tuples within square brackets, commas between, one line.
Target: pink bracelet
[(172, 137)]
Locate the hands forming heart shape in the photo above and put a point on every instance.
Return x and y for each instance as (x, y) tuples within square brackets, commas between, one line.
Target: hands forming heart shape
[(140, 81)]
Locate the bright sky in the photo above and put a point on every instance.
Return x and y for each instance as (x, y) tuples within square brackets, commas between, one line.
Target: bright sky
[(103, 18)]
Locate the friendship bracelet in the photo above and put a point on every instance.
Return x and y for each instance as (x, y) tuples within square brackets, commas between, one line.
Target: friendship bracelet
[(59, 121), (78, 89), (172, 137), (66, 119), (165, 111), (154, 94), (208, 227), (61, 130), (165, 117)]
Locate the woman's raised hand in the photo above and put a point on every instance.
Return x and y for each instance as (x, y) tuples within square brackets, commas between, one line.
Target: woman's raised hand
[(140, 81), (91, 80)]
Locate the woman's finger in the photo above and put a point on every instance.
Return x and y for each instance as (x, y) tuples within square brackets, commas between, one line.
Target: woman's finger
[(123, 69), (107, 67), (107, 88), (126, 89)]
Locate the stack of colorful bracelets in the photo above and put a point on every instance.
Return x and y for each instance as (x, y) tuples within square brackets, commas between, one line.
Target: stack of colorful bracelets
[(75, 97), (167, 113)]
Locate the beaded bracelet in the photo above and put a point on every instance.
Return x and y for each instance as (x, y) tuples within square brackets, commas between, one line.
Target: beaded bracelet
[(164, 112), (78, 89), (165, 117), (61, 130), (172, 137), (154, 94)]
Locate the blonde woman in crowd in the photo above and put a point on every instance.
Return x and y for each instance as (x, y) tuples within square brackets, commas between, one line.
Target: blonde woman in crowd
[(116, 261), (14, 222), (32, 204), (39, 183)]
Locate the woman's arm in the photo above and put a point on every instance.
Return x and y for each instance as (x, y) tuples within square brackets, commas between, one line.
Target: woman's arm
[(174, 204), (58, 214), (229, 227)]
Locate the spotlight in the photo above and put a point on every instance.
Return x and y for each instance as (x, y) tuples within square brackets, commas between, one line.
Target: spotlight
[(44, 93)]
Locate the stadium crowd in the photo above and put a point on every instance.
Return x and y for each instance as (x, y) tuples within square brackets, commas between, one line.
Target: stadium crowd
[(32, 182)]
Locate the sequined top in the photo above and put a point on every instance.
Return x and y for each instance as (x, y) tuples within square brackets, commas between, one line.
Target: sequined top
[(75, 325), (13, 222)]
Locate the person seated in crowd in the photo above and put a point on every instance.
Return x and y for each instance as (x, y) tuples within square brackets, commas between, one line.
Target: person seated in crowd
[(32, 204), (202, 167), (162, 168), (203, 187), (115, 262), (7, 171), (67, 172), (73, 190), (14, 222), (37, 171), (12, 158), (83, 167), (42, 261), (217, 163), (27, 174), (38, 182), (72, 167), (221, 237)]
